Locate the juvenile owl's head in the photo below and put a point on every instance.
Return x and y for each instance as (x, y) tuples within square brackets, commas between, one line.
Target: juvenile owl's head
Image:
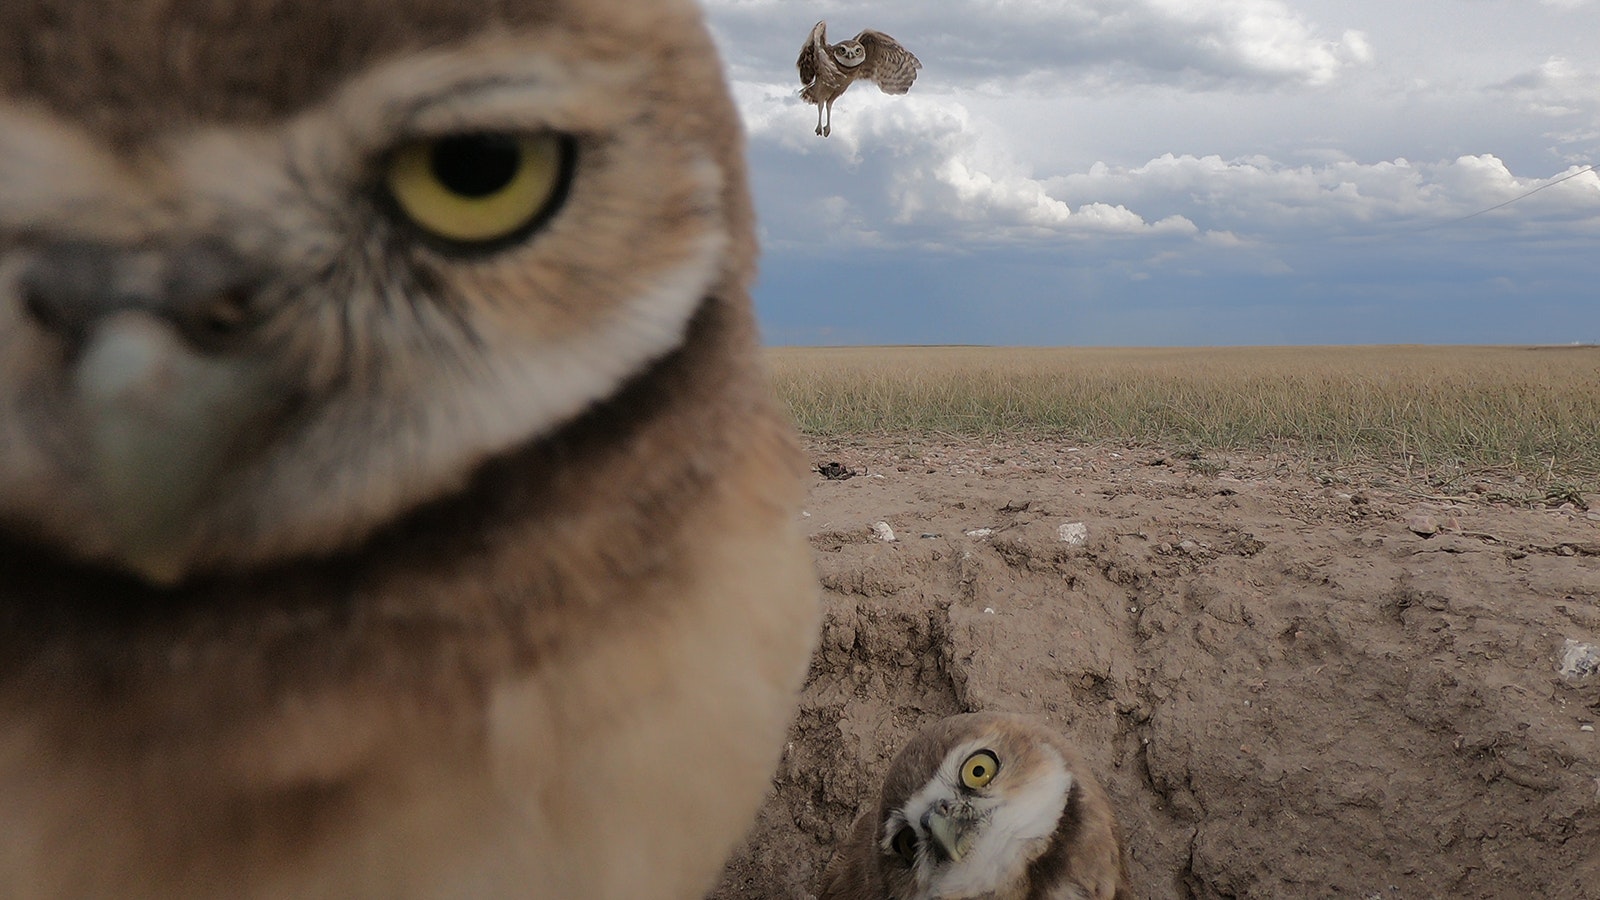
[(968, 804), (273, 273), (849, 53)]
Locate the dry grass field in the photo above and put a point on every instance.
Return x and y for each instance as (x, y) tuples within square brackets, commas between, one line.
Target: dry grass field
[(1535, 409)]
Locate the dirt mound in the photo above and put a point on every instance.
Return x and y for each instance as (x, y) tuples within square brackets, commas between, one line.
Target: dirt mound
[(1286, 689)]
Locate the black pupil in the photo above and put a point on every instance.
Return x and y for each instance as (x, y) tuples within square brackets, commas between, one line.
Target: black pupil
[(977, 771), (475, 165)]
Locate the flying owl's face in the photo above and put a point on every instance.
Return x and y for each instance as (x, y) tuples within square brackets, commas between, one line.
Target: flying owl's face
[(257, 300), (849, 53), (970, 825)]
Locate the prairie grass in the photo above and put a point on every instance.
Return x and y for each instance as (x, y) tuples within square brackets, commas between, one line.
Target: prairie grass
[(1518, 407)]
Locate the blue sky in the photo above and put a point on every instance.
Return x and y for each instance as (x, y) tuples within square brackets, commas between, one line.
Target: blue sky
[(1178, 172)]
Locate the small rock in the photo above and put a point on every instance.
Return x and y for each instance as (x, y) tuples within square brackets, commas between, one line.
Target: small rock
[(980, 532), (930, 534), (882, 531), (1579, 660), (1589, 728), (1188, 546), (989, 610), (1074, 533), (1422, 524)]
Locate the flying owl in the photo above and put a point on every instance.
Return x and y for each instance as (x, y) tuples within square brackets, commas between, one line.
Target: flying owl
[(391, 501), (987, 805), (827, 70)]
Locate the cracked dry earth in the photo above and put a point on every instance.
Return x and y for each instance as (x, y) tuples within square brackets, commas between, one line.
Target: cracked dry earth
[(1287, 691)]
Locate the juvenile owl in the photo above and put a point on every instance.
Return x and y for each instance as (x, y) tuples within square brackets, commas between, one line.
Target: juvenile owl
[(391, 503), (989, 805), (827, 70)]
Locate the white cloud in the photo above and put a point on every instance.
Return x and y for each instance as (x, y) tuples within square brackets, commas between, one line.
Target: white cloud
[(929, 167), (1266, 199), (1322, 168), (1557, 87), (1047, 45)]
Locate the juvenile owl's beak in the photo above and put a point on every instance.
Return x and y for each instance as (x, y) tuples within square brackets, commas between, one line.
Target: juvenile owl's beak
[(952, 828), (159, 394)]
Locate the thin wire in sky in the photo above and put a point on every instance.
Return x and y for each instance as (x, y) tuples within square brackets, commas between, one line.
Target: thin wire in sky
[(1588, 168)]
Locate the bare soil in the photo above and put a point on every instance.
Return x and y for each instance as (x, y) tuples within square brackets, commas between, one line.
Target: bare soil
[(1286, 689)]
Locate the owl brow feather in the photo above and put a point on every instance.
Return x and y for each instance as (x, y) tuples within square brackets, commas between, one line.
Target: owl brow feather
[(401, 114)]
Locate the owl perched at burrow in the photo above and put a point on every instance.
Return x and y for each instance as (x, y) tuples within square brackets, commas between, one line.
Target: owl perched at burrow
[(391, 503), (827, 70), (989, 805)]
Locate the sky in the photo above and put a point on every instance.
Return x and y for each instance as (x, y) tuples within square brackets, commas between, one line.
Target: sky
[(1180, 173)]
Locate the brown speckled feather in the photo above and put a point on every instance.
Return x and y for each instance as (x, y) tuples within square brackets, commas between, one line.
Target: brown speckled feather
[(425, 631), (888, 63)]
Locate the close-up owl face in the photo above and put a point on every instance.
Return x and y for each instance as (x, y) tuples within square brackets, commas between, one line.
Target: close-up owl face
[(972, 823), (247, 318), (849, 53)]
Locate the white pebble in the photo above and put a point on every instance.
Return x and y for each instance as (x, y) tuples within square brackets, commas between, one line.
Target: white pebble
[(990, 611), (980, 532), (883, 532), (1074, 533)]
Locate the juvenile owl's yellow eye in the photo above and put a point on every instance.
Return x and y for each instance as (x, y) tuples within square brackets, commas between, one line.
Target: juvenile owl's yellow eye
[(979, 769), (478, 188)]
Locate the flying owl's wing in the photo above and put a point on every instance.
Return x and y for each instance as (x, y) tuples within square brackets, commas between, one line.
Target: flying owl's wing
[(888, 63), (813, 52)]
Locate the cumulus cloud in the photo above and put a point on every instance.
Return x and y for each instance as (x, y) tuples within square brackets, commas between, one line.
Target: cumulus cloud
[(1261, 197), (1557, 87), (1043, 45), (928, 169), (1247, 154)]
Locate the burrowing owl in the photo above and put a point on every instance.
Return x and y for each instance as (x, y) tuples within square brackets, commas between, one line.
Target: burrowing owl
[(390, 500), (826, 70), (983, 805)]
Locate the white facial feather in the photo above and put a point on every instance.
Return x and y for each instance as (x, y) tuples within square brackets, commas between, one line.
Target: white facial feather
[(1017, 815)]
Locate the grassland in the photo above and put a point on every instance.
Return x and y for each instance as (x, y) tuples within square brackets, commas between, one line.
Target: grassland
[(1532, 409)]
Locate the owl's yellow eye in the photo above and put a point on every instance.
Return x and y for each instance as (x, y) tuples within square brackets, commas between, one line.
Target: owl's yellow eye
[(979, 769), (479, 188)]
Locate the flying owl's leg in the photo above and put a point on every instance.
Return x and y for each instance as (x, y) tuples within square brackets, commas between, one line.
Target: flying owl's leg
[(819, 118), (826, 129)]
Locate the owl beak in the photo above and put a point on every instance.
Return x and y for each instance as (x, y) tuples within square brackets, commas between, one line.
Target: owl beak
[(951, 828), (160, 423), (162, 386)]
